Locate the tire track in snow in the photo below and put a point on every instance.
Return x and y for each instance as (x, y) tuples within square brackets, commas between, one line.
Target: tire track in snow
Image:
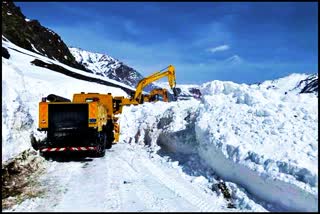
[(199, 201), (146, 186), (113, 186), (85, 189), (179, 189), (135, 190), (141, 190), (90, 188)]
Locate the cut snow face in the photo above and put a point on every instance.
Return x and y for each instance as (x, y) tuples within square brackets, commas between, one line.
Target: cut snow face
[(258, 137)]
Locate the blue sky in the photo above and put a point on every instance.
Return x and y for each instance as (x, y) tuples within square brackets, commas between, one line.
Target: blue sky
[(237, 41)]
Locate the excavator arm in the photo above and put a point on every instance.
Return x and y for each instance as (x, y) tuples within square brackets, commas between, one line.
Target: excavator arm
[(170, 73)]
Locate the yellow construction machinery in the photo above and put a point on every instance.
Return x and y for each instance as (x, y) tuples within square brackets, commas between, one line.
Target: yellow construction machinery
[(138, 97), (88, 123)]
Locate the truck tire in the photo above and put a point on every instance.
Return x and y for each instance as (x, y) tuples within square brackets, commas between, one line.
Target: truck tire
[(109, 136), (101, 145), (101, 151)]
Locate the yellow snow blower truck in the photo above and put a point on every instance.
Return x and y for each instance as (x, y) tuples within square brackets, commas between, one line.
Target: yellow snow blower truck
[(88, 123)]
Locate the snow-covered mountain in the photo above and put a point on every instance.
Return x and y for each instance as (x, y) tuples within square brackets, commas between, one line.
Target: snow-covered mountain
[(100, 64), (104, 65), (297, 83)]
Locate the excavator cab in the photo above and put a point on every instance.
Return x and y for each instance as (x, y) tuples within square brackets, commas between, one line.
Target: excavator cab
[(159, 94)]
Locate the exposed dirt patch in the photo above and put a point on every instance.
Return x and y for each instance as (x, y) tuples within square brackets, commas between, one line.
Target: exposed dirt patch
[(20, 178)]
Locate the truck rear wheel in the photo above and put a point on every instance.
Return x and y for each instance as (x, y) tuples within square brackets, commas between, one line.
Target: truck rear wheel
[(100, 151), (109, 136), (101, 145)]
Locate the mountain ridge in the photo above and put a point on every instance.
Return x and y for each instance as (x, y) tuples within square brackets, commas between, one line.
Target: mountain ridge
[(107, 66)]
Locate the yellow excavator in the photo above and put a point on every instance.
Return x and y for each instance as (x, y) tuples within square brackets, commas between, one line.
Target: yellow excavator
[(138, 97)]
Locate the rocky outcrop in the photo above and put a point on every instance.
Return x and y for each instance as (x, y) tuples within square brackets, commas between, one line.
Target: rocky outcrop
[(310, 84), (31, 35)]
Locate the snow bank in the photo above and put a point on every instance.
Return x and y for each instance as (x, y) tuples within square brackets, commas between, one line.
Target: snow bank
[(15, 114), (265, 140), (23, 86), (256, 136)]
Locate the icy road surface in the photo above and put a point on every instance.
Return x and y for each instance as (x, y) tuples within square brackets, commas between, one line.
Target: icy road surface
[(126, 179)]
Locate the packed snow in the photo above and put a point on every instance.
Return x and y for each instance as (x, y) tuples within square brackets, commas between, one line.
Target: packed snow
[(261, 140)]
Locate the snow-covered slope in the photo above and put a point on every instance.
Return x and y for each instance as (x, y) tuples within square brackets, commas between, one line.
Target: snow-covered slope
[(296, 83)]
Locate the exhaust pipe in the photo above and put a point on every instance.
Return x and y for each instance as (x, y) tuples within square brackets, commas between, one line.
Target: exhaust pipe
[(56, 98)]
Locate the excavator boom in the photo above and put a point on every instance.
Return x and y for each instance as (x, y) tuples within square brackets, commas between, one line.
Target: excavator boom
[(170, 73)]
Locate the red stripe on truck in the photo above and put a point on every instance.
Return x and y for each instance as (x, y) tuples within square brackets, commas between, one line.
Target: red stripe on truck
[(68, 148)]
